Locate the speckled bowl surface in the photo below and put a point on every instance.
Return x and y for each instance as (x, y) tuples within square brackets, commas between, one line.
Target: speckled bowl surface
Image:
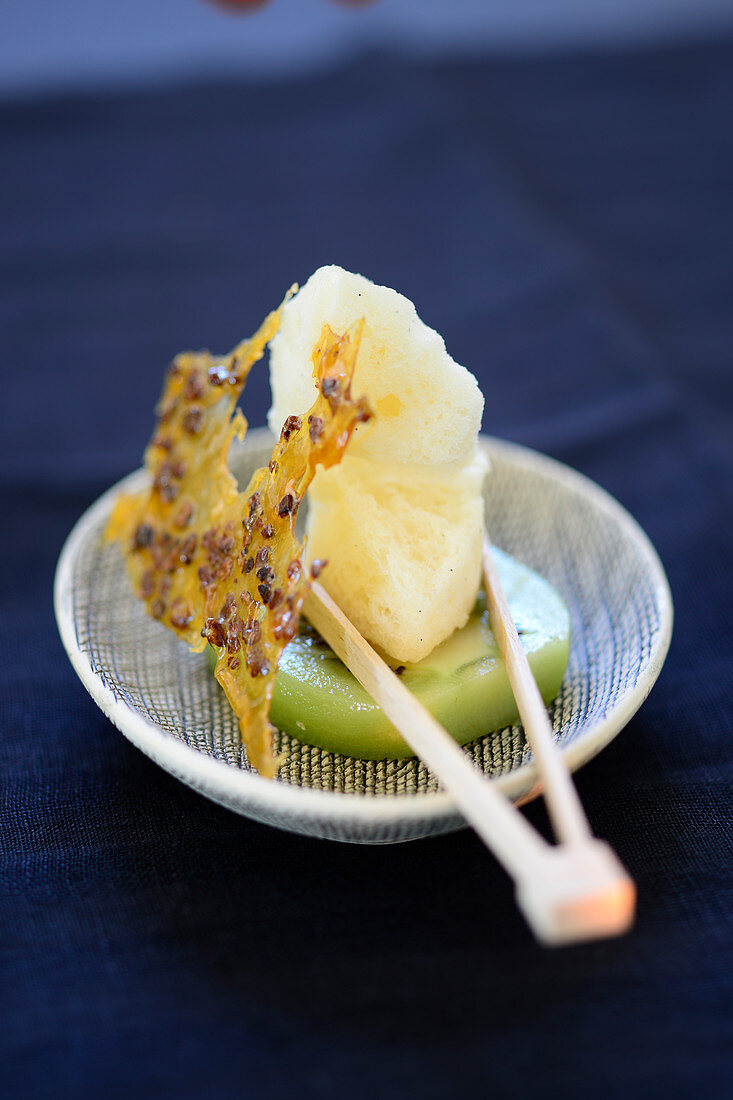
[(165, 701)]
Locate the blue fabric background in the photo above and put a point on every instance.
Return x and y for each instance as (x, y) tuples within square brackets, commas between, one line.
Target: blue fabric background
[(566, 224)]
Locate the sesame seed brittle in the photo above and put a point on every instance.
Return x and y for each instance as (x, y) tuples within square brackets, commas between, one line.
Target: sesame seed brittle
[(221, 566)]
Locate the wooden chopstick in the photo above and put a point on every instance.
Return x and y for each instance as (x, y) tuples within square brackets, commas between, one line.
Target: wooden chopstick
[(571, 892), (593, 857), (563, 804)]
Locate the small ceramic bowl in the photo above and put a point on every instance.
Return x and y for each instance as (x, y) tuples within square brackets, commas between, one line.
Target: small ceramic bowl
[(164, 699)]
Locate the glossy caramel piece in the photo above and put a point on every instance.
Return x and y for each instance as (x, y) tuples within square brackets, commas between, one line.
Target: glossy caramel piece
[(224, 567)]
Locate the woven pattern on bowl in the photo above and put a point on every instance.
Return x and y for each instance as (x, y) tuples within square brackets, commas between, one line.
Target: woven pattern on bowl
[(540, 518)]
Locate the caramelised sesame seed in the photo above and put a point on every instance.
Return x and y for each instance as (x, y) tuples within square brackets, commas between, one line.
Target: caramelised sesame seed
[(143, 536), (286, 505), (181, 614), (227, 606), (291, 425), (193, 420), (194, 388), (188, 550), (315, 428), (285, 626), (294, 570), (215, 632), (183, 516), (256, 663)]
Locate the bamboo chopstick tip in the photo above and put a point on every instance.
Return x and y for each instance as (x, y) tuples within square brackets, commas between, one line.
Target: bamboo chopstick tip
[(582, 892)]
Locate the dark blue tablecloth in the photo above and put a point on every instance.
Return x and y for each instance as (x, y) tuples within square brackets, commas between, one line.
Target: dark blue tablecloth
[(566, 224)]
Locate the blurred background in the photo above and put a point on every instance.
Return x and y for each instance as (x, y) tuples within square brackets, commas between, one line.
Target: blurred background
[(82, 42)]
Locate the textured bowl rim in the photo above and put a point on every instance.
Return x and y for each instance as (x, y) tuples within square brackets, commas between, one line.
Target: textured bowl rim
[(233, 786)]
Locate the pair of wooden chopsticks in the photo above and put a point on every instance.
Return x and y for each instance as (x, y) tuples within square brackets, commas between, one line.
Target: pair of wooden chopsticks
[(572, 891)]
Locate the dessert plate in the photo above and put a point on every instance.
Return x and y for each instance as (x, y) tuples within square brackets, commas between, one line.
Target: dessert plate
[(164, 699)]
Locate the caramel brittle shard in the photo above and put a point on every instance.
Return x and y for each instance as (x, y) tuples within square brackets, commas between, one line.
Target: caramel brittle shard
[(224, 567), (167, 529)]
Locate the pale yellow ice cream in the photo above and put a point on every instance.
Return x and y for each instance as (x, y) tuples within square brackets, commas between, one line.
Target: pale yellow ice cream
[(400, 520)]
